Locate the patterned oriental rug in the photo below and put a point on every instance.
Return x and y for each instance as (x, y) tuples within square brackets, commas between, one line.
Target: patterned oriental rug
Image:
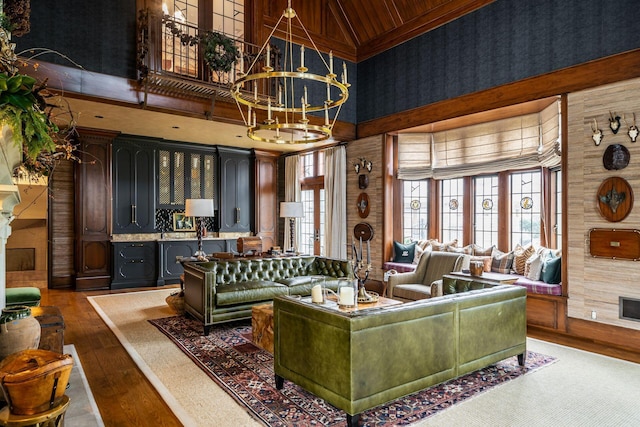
[(245, 371)]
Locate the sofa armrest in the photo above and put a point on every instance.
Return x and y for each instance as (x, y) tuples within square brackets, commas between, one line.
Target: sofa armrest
[(436, 288), (401, 279)]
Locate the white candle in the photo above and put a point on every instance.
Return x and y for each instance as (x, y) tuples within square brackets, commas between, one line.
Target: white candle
[(328, 93), (279, 95), (326, 114), (255, 91), (306, 99), (269, 109), (346, 295), (304, 109), (331, 61), (344, 72), (268, 55), (316, 293), (302, 56)]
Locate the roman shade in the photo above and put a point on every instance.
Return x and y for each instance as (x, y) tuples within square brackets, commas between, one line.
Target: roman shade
[(521, 142)]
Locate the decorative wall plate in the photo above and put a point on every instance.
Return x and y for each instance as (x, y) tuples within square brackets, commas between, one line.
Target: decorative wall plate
[(615, 157), (363, 181), (615, 199), (363, 230), (363, 205)]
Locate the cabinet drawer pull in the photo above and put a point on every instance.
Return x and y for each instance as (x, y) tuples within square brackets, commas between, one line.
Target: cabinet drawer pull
[(237, 215)]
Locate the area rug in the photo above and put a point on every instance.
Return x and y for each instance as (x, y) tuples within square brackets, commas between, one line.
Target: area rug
[(228, 356)]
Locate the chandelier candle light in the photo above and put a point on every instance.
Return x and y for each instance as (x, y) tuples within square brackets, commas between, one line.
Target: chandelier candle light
[(281, 98)]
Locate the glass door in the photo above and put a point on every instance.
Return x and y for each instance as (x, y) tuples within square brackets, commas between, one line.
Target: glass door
[(312, 240)]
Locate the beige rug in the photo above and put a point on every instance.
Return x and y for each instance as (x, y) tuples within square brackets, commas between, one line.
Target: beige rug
[(580, 389)]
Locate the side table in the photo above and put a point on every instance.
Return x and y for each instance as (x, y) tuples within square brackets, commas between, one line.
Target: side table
[(52, 418)]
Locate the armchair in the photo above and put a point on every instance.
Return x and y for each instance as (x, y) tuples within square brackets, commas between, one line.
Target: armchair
[(426, 280)]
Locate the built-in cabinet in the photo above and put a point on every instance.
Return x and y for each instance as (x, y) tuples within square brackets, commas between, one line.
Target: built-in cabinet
[(184, 174), (93, 210), (134, 177), (134, 264), (235, 204), (171, 251)]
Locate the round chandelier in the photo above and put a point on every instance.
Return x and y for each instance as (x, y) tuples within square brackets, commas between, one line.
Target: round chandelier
[(284, 94)]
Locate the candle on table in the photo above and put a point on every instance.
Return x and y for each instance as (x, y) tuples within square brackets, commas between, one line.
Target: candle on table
[(346, 295), (316, 293)]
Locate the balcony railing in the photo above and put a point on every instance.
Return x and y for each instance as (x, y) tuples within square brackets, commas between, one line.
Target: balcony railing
[(169, 63)]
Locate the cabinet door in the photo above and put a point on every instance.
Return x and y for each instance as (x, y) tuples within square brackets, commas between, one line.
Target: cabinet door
[(236, 206), (171, 179), (170, 269), (133, 188), (134, 264)]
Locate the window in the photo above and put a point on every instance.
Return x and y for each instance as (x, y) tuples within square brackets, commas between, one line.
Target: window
[(222, 16), (415, 207), (526, 204), (557, 208), (312, 239), (485, 206), (451, 209)]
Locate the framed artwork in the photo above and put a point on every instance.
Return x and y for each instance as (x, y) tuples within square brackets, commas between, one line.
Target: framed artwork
[(183, 223)]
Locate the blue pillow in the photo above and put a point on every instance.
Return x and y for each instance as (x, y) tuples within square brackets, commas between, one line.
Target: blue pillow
[(404, 253), (551, 270)]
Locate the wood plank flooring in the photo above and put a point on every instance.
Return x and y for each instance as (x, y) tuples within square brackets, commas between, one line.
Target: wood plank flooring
[(123, 394)]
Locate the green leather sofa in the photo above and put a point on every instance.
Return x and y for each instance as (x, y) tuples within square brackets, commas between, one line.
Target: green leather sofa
[(359, 360), (225, 290)]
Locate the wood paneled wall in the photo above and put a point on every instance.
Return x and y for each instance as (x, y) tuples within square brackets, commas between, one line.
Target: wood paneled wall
[(372, 150), (595, 284), (61, 226)]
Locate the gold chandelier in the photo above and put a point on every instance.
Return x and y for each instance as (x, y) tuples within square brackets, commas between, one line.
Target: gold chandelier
[(286, 111)]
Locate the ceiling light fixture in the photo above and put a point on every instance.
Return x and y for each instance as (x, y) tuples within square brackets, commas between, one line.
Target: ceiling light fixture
[(280, 87)]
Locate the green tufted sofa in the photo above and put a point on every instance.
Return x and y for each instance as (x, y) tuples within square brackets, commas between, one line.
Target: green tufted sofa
[(225, 290), (359, 360)]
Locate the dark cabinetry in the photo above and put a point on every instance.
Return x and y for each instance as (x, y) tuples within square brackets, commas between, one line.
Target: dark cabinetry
[(171, 250), (93, 210), (235, 204), (134, 180), (184, 174), (134, 264)]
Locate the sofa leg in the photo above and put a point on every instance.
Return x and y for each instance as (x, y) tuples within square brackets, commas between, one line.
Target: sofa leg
[(207, 329), (353, 420), (279, 382), (521, 358)]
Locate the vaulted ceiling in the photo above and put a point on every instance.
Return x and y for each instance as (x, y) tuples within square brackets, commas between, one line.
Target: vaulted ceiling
[(358, 29)]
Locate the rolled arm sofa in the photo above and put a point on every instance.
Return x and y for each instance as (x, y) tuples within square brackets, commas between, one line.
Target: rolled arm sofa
[(226, 290), (344, 357), (426, 279)]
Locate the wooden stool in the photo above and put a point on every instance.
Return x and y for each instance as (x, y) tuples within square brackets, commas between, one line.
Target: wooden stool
[(52, 418), (262, 326)]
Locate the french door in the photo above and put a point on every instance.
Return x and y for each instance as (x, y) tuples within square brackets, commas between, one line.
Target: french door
[(312, 239)]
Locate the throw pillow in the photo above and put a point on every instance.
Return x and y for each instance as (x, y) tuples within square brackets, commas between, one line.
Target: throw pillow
[(418, 253), (404, 253), (535, 267), (502, 262), (467, 250), (480, 251), (521, 255), (439, 246), (486, 260), (551, 270)]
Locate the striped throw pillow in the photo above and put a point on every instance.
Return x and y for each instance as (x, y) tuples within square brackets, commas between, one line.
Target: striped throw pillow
[(521, 255)]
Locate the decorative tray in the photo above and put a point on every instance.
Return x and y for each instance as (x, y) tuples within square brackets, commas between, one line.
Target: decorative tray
[(374, 298)]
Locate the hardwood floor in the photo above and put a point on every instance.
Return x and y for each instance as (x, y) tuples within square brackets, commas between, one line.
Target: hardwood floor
[(123, 394)]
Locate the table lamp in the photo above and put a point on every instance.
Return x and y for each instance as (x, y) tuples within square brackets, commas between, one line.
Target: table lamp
[(199, 208), (291, 210)]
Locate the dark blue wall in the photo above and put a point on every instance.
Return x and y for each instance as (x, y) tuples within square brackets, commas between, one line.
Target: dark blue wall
[(100, 36), (503, 42)]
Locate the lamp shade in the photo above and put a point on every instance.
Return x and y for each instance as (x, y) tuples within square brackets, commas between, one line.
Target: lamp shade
[(291, 210), (199, 207)]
